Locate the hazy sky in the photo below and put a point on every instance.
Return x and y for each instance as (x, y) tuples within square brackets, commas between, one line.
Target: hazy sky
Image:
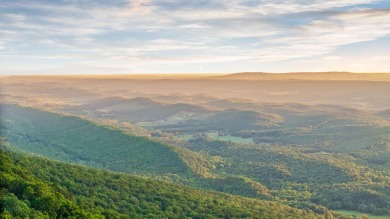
[(171, 36)]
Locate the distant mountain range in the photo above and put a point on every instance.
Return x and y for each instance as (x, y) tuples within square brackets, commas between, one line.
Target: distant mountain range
[(331, 75), (338, 76)]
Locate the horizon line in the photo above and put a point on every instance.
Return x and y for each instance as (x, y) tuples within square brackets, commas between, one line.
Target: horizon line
[(191, 74)]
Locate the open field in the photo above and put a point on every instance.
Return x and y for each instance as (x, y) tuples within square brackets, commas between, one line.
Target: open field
[(369, 216)]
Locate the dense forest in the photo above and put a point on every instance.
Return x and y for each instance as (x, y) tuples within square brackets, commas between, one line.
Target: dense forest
[(299, 176), (33, 187), (302, 176), (72, 139)]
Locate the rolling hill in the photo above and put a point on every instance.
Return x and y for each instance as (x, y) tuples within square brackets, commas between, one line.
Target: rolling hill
[(72, 139), (136, 110), (33, 187), (306, 177)]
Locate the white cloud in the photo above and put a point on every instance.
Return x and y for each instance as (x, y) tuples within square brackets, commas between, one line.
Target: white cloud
[(381, 58), (244, 8), (194, 26), (331, 58), (323, 36), (172, 31)]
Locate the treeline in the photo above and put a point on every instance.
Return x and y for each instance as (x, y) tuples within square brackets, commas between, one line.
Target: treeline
[(355, 196)]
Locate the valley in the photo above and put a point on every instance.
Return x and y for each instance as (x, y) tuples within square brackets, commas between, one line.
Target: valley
[(294, 144)]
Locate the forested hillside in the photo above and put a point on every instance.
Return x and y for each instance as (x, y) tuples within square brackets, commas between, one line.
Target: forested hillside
[(72, 139), (40, 188), (301, 176)]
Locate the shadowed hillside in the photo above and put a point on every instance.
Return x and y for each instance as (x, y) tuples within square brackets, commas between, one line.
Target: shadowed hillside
[(72, 139)]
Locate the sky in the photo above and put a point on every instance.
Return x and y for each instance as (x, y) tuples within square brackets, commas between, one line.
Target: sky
[(203, 36)]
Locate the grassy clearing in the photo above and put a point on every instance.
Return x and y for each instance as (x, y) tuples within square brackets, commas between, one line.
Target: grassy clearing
[(230, 138), (215, 136), (370, 216)]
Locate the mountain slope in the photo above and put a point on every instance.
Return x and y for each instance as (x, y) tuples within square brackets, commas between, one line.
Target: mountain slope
[(134, 110), (72, 139), (40, 188), (304, 176), (295, 175)]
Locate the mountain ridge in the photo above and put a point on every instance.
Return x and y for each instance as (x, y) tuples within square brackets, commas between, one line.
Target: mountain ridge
[(332, 76)]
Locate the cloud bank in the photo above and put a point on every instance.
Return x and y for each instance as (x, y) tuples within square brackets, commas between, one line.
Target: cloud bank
[(178, 35)]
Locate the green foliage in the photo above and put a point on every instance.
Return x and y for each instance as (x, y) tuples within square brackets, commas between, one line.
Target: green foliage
[(40, 188), (354, 196), (22, 195), (271, 166), (75, 140), (302, 176), (72, 139)]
